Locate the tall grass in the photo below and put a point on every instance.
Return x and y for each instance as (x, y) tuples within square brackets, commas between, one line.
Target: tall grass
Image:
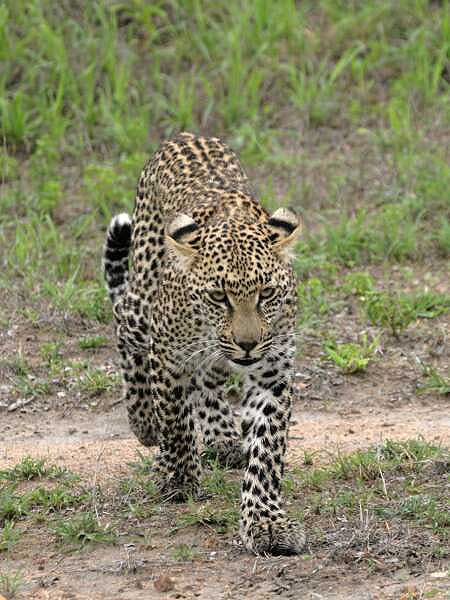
[(88, 89)]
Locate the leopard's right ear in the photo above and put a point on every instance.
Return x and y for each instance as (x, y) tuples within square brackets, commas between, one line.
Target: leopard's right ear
[(286, 227), (180, 233)]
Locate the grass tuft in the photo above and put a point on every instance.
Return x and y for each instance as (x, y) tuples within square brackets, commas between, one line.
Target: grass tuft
[(434, 382), (10, 584), (351, 358), (83, 530), (9, 536)]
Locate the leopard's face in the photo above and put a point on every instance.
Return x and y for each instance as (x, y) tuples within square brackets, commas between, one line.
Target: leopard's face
[(243, 290)]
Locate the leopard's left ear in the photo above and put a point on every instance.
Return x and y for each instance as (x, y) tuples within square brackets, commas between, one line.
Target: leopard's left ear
[(180, 232), (286, 227)]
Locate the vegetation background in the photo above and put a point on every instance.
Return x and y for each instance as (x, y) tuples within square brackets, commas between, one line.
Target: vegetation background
[(340, 108)]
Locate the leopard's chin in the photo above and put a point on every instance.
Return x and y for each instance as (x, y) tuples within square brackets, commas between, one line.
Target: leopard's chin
[(245, 361)]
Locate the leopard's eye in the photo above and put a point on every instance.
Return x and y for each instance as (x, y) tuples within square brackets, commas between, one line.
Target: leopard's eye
[(217, 296), (267, 293)]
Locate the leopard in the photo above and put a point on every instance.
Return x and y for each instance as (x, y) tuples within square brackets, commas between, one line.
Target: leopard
[(202, 286)]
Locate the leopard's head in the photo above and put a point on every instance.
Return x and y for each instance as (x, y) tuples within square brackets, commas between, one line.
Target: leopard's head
[(241, 279)]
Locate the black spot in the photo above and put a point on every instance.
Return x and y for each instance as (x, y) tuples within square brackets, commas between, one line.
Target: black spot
[(253, 469), (261, 431), (178, 392), (269, 409), (278, 389), (272, 373)]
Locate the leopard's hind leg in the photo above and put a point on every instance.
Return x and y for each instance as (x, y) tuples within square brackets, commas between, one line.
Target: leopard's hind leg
[(133, 335), (214, 415)]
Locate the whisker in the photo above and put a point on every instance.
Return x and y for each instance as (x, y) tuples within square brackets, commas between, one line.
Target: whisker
[(204, 349), (191, 343), (214, 357)]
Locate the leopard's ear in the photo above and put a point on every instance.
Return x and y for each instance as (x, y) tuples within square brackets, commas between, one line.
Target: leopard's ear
[(180, 232), (286, 228)]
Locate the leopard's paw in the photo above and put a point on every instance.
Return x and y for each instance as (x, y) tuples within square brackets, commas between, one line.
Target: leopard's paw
[(278, 537)]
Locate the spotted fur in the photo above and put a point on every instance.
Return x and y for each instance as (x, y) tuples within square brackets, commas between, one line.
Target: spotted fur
[(211, 291)]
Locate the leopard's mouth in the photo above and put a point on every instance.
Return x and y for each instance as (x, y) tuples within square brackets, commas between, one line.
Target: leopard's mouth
[(245, 361)]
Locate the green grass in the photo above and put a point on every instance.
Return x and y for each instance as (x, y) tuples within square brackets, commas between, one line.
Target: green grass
[(351, 358), (217, 518), (28, 468), (92, 100), (370, 492), (217, 482), (393, 484), (83, 530), (10, 584), (93, 342), (396, 311), (434, 382), (185, 552), (95, 382), (9, 536), (54, 499), (12, 505)]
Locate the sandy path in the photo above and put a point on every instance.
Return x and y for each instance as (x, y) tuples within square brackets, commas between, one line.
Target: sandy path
[(102, 442)]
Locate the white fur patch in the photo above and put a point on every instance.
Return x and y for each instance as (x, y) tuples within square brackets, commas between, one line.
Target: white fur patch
[(121, 220)]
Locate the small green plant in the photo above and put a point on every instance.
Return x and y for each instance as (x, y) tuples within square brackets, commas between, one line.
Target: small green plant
[(96, 382), (233, 384), (363, 464), (12, 506), (434, 382), (9, 167), (414, 452), (54, 499), (313, 301), (390, 310), (352, 358), (443, 237), (397, 311), (315, 479), (429, 305), (9, 536), (31, 387), (207, 515), (34, 468), (290, 484), (358, 284), (185, 552), (19, 365), (91, 343), (10, 584), (82, 530), (426, 509), (143, 465), (32, 316), (28, 468), (217, 482), (51, 353)]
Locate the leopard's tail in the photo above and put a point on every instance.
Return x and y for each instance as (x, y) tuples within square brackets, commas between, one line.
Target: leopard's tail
[(116, 256)]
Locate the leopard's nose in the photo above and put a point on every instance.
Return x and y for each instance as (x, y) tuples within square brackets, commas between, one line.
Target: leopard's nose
[(245, 345)]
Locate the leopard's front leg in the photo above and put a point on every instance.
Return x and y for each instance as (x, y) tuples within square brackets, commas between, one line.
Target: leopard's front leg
[(177, 468), (264, 527)]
